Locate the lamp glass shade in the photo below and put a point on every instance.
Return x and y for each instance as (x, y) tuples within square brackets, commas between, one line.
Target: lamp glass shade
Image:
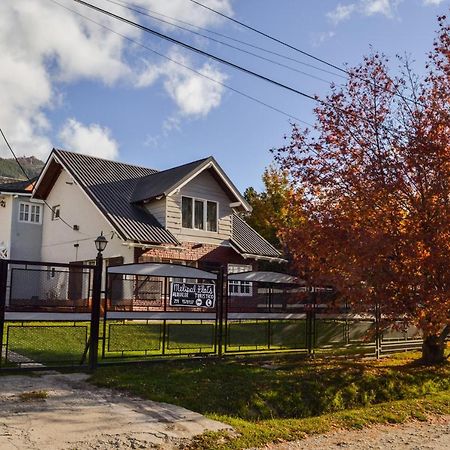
[(100, 243)]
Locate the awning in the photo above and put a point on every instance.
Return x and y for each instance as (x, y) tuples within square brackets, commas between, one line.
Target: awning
[(162, 270), (265, 277)]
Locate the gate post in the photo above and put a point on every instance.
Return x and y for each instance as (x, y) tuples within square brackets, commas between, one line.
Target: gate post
[(3, 283), (95, 312), (377, 331), (219, 310), (311, 322)]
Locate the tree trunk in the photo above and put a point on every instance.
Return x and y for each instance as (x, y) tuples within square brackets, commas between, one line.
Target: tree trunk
[(433, 348)]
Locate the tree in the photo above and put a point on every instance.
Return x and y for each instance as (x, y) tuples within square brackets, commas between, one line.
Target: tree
[(371, 184), (269, 206)]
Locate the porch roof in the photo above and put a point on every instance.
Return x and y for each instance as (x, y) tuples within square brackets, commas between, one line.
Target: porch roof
[(162, 270)]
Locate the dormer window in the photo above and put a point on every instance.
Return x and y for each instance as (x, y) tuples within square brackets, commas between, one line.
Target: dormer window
[(199, 214)]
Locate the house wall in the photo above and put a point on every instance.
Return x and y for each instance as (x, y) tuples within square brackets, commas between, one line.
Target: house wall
[(5, 221), (26, 237), (204, 186), (76, 209), (157, 208)]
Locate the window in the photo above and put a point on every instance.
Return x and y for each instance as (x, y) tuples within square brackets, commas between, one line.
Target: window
[(186, 212), (211, 216), (239, 288), (29, 212), (199, 214), (56, 212)]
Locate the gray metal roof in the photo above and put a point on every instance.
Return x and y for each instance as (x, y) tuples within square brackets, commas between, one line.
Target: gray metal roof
[(110, 185), (18, 186), (248, 241), (162, 270), (113, 187), (265, 277), (161, 183)]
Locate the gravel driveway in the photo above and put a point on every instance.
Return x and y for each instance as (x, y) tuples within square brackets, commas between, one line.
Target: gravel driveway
[(78, 415), (432, 435)]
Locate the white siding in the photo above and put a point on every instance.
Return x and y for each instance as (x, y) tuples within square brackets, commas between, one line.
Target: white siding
[(76, 209), (203, 186), (5, 221)]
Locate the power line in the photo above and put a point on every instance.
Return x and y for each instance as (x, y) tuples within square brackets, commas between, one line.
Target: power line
[(303, 52), (201, 52), (315, 98), (279, 41), (243, 94), (27, 176), (272, 52), (145, 12)]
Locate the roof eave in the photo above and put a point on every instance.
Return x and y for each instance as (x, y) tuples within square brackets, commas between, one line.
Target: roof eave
[(246, 255)]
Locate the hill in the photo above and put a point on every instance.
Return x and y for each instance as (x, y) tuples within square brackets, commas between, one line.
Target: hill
[(10, 170)]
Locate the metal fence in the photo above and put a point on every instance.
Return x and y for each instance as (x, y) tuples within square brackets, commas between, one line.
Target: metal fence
[(140, 321), (53, 315), (45, 314)]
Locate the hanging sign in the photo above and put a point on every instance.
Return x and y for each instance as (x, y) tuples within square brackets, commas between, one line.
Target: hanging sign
[(195, 295)]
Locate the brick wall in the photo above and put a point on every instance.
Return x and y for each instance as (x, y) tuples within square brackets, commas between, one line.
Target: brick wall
[(190, 251)]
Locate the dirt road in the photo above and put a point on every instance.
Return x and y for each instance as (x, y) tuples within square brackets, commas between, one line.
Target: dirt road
[(432, 435), (78, 415)]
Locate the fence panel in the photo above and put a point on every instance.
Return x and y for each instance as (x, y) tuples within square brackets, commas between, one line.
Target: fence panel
[(47, 314), (140, 322), (265, 317)]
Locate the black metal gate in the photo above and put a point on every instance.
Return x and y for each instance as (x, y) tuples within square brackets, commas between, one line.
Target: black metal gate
[(140, 319), (45, 314)]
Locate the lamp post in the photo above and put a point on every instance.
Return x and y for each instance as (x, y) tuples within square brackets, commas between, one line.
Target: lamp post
[(100, 244)]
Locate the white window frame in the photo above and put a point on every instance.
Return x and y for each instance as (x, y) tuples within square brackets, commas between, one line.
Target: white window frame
[(239, 288), (27, 213), (205, 214)]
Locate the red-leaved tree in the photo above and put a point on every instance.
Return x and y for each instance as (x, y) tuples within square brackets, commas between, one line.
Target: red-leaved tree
[(371, 193)]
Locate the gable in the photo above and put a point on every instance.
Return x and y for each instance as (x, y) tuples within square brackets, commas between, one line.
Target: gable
[(109, 185)]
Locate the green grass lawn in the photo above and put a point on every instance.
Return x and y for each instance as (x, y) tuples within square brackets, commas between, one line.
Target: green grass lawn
[(287, 396)]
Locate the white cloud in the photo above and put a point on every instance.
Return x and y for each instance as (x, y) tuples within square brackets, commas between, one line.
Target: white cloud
[(365, 8), (319, 38), (44, 48), (91, 140), (432, 2), (194, 94), (341, 12)]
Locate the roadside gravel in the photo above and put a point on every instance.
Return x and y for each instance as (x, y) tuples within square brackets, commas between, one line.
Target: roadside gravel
[(431, 435)]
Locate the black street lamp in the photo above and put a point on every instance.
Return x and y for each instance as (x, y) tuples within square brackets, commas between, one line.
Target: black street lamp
[(100, 244)]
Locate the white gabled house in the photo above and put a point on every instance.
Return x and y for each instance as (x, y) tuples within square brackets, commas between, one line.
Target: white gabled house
[(186, 214)]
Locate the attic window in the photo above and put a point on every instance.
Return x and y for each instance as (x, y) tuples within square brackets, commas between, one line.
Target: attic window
[(199, 214)]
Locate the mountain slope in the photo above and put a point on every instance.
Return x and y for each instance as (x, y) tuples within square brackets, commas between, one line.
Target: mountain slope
[(10, 170)]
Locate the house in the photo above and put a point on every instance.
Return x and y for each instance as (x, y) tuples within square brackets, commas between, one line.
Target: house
[(187, 214), (20, 221)]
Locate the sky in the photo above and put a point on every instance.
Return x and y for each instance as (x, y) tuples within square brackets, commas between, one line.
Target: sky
[(68, 81)]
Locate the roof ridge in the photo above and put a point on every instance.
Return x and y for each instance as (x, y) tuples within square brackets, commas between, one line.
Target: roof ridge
[(57, 150), (201, 160)]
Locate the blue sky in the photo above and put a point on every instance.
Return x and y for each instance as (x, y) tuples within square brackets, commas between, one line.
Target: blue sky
[(69, 83)]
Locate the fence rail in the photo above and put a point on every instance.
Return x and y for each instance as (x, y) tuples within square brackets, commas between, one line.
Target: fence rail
[(54, 315)]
